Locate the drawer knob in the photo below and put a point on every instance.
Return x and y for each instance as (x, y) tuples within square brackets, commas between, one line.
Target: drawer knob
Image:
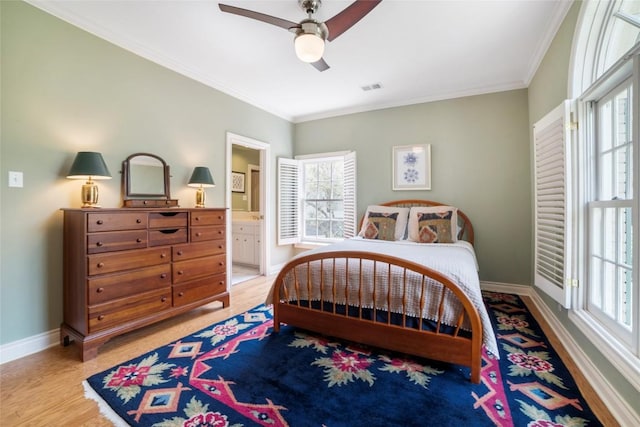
[(220, 231), (138, 240), (101, 317), (100, 264), (163, 276), (180, 272), (164, 299), (179, 252), (98, 244), (220, 246), (221, 263), (197, 218), (138, 221), (180, 294), (99, 222), (198, 234), (163, 255), (221, 282), (100, 290)]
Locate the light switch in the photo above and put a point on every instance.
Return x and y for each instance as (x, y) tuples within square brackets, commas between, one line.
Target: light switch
[(15, 179)]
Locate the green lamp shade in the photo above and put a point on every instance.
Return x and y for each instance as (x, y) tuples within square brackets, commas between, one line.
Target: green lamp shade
[(88, 164), (201, 177)]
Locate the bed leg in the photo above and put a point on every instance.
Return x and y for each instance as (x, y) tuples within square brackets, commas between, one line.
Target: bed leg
[(475, 374)]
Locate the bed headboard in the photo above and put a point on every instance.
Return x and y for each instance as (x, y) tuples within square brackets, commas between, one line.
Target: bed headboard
[(466, 228)]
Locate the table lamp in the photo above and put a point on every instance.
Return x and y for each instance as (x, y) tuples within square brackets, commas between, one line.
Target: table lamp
[(201, 177), (89, 165)]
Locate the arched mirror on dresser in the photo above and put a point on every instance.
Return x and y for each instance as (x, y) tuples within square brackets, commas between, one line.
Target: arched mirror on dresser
[(145, 182)]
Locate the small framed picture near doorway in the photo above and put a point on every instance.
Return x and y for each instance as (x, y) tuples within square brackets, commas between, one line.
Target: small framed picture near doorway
[(237, 182), (412, 167)]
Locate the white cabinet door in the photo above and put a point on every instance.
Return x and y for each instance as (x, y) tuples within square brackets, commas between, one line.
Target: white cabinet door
[(244, 244)]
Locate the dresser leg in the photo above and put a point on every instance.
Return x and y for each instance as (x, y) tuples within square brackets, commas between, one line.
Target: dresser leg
[(67, 335), (225, 301)]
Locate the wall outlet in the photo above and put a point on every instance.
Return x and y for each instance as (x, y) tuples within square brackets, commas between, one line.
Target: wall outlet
[(15, 179)]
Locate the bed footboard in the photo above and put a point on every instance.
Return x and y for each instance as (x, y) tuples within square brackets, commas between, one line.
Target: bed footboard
[(381, 301)]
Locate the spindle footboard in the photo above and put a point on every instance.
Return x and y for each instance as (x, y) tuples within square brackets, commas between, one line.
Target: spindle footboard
[(381, 301)]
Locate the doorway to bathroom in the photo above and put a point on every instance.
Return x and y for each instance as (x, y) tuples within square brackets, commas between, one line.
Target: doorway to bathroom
[(246, 197)]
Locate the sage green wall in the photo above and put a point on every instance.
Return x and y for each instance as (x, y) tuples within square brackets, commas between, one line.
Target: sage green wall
[(63, 91), (548, 88), (480, 163)]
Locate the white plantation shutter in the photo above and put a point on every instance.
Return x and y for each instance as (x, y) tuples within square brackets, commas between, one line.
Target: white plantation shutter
[(552, 138), (349, 195), (288, 201)]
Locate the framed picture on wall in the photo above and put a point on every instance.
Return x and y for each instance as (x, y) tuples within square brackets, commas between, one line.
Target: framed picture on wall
[(237, 182), (412, 167)]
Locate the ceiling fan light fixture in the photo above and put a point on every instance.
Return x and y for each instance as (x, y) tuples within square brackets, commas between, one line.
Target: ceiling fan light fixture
[(309, 47)]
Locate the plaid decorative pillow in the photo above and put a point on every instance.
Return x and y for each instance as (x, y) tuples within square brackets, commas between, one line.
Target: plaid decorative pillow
[(380, 226)]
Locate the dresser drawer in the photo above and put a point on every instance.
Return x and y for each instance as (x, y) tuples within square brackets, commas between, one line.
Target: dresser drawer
[(116, 241), (114, 221), (199, 234), (168, 219), (208, 218), (127, 260), (123, 310), (167, 236), (188, 270), (198, 250), (199, 289), (119, 285)]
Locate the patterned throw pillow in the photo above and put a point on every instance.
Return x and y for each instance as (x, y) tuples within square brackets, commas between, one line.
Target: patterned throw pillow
[(380, 226), (435, 227)]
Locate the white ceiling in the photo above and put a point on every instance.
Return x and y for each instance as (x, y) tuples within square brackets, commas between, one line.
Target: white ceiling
[(418, 50)]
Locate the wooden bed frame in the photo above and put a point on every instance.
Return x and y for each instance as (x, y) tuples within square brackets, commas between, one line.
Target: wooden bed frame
[(450, 347)]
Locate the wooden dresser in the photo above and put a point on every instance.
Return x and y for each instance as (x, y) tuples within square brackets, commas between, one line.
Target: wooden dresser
[(130, 267)]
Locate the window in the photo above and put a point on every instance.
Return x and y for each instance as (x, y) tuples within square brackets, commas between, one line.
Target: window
[(316, 198), (606, 85), (610, 270), (322, 202)]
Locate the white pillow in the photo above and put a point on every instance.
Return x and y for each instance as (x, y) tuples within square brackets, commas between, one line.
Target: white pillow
[(414, 225), (401, 220)]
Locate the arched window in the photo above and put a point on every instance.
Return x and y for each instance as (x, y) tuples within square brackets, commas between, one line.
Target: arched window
[(605, 32), (604, 80)]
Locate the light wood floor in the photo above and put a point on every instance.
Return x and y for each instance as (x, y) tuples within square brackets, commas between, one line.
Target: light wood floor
[(45, 389)]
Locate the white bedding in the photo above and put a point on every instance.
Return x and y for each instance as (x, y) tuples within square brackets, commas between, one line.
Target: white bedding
[(455, 260)]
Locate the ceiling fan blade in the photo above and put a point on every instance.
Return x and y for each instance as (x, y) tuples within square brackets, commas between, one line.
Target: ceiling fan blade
[(320, 65), (349, 16), (279, 22)]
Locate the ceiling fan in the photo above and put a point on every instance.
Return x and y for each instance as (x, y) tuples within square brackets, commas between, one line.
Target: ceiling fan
[(310, 33)]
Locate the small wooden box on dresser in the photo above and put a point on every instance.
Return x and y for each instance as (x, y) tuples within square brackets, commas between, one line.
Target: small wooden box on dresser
[(129, 267)]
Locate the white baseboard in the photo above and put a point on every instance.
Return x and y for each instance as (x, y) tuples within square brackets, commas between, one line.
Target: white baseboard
[(26, 346), (506, 288), (618, 407)]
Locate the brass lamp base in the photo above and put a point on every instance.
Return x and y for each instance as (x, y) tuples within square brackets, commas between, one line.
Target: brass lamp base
[(90, 195), (200, 197)]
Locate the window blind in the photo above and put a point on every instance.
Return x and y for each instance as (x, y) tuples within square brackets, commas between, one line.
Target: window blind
[(350, 195), (288, 201), (552, 136)]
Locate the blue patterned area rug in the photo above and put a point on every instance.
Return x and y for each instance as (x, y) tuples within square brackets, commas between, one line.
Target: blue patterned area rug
[(238, 373)]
